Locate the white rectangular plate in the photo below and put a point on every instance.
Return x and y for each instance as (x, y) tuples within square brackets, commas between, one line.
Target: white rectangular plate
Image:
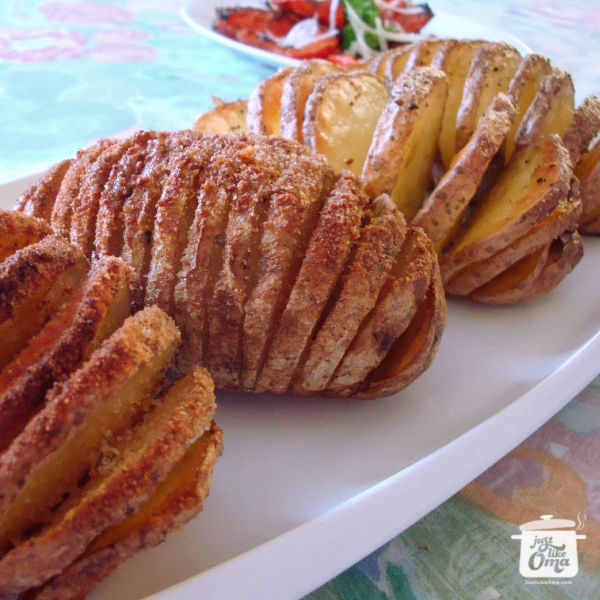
[(306, 487)]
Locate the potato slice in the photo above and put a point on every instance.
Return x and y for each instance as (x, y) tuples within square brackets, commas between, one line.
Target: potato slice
[(124, 478), (264, 104), (174, 213), (378, 64), (509, 286), (588, 173), (34, 283), (293, 212), (551, 110), (522, 89), (395, 64), (563, 218), (423, 52), (335, 233), (491, 71), (340, 117), (454, 60), (443, 210), (514, 286), (85, 210), (91, 314), (357, 293), (412, 353), (401, 295), (296, 90), (38, 200), (100, 401), (529, 189), (402, 152), (248, 211), (178, 499), (69, 187), (584, 127), (225, 117), (18, 230)]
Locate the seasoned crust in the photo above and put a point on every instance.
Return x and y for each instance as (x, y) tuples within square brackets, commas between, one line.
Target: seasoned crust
[(295, 204), (140, 461), (38, 200), (171, 506), (359, 288), (335, 233), (70, 184), (18, 231), (412, 353), (34, 282), (92, 313), (399, 299), (142, 348)]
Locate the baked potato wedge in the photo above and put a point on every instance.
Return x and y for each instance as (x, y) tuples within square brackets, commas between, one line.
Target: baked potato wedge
[(453, 59), (522, 89), (551, 110), (225, 117), (401, 156), (395, 64), (442, 211), (18, 231), (297, 87), (529, 189), (491, 71), (264, 105), (340, 117)]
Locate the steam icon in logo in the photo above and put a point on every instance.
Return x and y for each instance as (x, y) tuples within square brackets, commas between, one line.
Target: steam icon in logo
[(547, 549)]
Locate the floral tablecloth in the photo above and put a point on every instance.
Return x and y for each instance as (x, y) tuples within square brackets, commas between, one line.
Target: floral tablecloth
[(73, 71)]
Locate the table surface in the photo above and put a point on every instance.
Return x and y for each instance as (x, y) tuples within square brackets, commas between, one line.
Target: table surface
[(74, 71)]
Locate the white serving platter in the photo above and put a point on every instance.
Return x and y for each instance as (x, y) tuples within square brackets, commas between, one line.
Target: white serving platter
[(200, 15), (306, 487)]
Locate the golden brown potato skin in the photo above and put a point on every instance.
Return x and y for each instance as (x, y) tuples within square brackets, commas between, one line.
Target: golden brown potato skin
[(237, 228)]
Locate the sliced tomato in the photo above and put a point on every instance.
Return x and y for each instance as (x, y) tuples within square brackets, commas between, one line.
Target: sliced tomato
[(310, 8), (257, 28), (411, 23)]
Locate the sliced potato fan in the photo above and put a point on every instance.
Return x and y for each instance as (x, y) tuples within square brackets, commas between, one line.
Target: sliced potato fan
[(249, 242), (264, 104), (341, 115), (90, 433)]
